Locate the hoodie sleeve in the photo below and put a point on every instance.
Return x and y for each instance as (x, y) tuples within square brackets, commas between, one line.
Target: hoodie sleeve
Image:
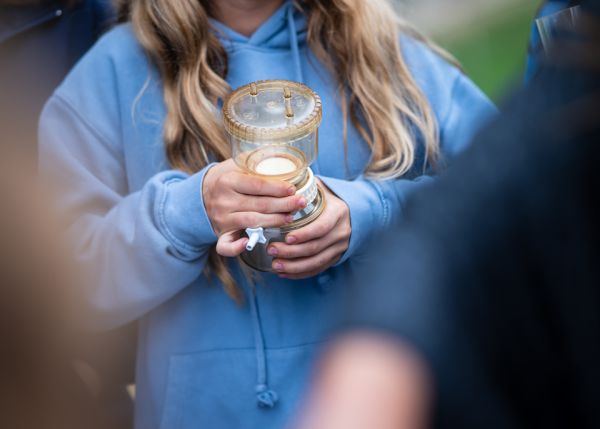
[(375, 204), (136, 250)]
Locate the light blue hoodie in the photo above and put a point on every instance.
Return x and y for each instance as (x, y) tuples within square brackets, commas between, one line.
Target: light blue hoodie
[(141, 229)]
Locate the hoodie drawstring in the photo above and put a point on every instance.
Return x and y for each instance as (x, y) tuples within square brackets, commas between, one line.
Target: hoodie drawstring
[(266, 397), (294, 43)]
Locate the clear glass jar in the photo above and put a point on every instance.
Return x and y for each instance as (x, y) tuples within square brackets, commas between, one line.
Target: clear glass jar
[(273, 128)]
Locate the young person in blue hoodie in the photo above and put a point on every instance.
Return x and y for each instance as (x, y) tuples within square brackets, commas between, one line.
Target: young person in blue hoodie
[(133, 136)]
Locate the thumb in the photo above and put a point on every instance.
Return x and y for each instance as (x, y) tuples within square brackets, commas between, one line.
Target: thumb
[(231, 245)]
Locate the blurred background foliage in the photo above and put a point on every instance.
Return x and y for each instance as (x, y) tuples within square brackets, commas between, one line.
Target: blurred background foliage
[(488, 37), (494, 52)]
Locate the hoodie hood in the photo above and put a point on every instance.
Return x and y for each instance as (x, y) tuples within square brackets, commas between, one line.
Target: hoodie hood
[(283, 32), (275, 33)]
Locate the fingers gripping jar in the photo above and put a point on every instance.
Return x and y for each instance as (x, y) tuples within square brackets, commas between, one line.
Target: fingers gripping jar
[(273, 130)]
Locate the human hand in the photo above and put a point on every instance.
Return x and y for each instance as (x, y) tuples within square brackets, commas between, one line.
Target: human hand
[(235, 201), (366, 380), (317, 246)]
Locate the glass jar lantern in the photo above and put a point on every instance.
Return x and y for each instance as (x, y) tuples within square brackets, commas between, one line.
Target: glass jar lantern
[(273, 130)]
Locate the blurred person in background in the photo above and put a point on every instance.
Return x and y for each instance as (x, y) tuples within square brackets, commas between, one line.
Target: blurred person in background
[(40, 387), (40, 41), (483, 308), (135, 139)]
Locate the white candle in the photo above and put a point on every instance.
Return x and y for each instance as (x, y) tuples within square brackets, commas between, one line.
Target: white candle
[(275, 166)]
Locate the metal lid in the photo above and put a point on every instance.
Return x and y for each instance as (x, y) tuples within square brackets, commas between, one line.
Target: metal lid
[(272, 110)]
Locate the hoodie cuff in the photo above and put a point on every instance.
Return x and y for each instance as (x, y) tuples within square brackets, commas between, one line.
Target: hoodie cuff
[(184, 219), (369, 209)]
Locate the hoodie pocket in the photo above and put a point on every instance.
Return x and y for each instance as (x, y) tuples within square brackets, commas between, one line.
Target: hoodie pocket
[(217, 389)]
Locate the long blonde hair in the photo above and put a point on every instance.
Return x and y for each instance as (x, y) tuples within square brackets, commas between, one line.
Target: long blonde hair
[(358, 40)]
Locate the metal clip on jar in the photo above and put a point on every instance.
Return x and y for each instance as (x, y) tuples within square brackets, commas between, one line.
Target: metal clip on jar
[(273, 129)]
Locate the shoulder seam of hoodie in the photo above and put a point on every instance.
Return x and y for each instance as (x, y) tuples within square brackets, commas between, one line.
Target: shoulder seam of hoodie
[(450, 110), (69, 105)]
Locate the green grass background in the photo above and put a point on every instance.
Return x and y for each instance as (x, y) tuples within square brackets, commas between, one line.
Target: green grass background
[(494, 51)]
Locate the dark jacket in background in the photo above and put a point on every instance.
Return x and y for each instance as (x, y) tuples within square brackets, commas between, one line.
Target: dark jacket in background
[(495, 274), (38, 46), (535, 50)]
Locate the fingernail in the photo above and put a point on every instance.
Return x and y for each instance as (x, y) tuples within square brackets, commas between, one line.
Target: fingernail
[(291, 190), (278, 266), (273, 251), (290, 239), (289, 218), (302, 203)]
